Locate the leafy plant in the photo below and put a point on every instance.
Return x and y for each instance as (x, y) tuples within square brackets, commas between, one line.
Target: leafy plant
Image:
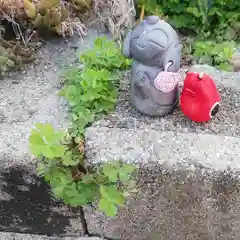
[(213, 53), (93, 91), (202, 20), (61, 164), (203, 17), (90, 93), (105, 55)]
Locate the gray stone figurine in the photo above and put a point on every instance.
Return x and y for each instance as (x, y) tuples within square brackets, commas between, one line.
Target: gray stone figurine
[(156, 51)]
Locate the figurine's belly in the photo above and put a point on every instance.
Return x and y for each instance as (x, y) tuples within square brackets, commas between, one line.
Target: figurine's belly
[(145, 96)]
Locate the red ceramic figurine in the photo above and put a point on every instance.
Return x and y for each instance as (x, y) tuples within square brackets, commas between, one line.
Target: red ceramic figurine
[(200, 98)]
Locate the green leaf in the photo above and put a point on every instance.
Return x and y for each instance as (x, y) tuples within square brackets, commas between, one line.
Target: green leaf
[(36, 138), (127, 194), (111, 172), (77, 201), (36, 150), (112, 194), (58, 190), (60, 176), (88, 178), (128, 168), (226, 67), (57, 150), (48, 132), (89, 191), (194, 11), (134, 190), (80, 194), (59, 136), (67, 159), (124, 176), (47, 152), (107, 207)]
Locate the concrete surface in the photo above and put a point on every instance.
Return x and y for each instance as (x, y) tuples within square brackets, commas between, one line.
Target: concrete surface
[(27, 97), (170, 149), (18, 236), (188, 173)]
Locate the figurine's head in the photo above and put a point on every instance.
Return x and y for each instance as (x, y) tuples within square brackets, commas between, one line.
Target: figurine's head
[(200, 98), (155, 43)]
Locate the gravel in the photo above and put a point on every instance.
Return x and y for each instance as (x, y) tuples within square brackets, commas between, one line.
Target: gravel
[(227, 122)]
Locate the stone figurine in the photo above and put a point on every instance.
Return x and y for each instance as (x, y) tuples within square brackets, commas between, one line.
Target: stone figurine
[(156, 51)]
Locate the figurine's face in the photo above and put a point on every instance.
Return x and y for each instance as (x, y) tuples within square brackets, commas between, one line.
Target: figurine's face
[(194, 83), (147, 42), (154, 42)]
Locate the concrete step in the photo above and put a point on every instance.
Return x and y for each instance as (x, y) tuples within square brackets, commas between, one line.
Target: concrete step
[(227, 121), (27, 97), (189, 184), (169, 149), (20, 236)]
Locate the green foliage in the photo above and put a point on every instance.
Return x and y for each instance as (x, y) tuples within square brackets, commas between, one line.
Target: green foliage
[(45, 141), (105, 55), (204, 20), (203, 17), (93, 91), (90, 93), (216, 54), (60, 165)]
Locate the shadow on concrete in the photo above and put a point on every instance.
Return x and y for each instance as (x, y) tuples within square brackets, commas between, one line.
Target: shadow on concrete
[(26, 205)]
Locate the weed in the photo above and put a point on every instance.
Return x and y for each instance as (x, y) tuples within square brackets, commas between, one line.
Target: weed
[(90, 93), (203, 20), (216, 54)]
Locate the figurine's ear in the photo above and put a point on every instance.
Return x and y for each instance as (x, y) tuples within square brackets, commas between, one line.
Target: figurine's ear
[(126, 46)]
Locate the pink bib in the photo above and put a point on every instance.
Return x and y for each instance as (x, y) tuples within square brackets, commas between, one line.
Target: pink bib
[(166, 81)]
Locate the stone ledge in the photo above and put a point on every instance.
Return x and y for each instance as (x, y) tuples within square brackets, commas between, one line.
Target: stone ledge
[(189, 185), (19, 236), (172, 149)]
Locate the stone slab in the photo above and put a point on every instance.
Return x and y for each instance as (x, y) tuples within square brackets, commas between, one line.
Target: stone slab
[(189, 185), (143, 146), (19, 236), (27, 97)]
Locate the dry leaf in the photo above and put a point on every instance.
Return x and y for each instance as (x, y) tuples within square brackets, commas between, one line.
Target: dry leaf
[(83, 3), (81, 148), (58, 29), (30, 9), (44, 5), (54, 17), (38, 20), (64, 13)]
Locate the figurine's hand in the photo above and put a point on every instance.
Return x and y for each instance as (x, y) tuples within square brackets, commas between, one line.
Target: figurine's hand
[(141, 78), (173, 55), (142, 83)]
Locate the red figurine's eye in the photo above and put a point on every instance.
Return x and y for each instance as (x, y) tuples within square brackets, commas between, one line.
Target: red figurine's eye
[(189, 92), (214, 110)]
